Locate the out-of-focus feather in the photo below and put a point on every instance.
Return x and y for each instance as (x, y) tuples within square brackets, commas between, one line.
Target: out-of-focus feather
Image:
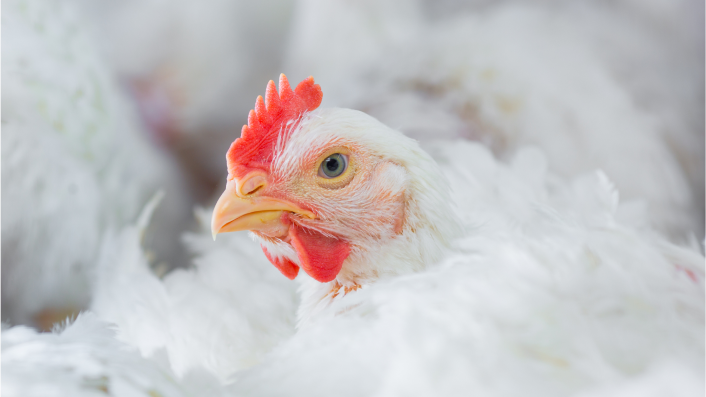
[(223, 315), (82, 359), (76, 161)]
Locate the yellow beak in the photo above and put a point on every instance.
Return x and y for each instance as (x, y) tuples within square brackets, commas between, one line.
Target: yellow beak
[(234, 212)]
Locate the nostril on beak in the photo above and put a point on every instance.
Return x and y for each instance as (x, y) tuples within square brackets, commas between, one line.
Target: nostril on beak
[(252, 184)]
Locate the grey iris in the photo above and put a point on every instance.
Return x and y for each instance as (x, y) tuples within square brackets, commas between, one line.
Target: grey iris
[(333, 165)]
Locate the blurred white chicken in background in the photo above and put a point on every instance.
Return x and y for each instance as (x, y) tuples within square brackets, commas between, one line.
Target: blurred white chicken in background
[(616, 86), (75, 162), (194, 68)]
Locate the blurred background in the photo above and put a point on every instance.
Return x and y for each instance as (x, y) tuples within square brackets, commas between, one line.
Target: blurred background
[(105, 103)]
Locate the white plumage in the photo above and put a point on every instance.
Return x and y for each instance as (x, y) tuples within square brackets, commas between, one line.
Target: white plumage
[(554, 286), (547, 288)]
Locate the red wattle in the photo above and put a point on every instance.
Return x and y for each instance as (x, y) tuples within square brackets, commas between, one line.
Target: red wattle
[(287, 267), (320, 256)]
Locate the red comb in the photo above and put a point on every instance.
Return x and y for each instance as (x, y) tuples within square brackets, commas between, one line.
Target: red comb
[(256, 143)]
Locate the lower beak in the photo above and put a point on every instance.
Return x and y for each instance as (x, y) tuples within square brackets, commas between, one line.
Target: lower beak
[(261, 213)]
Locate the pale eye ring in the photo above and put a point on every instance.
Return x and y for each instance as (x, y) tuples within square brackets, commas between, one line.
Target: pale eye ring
[(333, 166)]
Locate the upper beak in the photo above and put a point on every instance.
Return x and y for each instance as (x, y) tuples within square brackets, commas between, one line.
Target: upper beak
[(233, 212)]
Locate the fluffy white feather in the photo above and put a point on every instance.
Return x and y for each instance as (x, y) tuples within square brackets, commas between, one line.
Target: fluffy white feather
[(85, 359), (194, 314)]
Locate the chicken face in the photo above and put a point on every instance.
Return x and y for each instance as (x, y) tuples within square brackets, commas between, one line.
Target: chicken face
[(325, 190)]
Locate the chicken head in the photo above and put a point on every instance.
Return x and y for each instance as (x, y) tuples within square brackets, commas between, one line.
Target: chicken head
[(331, 191)]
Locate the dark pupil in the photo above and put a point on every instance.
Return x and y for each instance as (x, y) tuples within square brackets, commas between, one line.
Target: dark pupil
[(331, 164)]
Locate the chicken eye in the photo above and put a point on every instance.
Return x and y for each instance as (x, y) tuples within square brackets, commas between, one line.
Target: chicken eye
[(333, 166)]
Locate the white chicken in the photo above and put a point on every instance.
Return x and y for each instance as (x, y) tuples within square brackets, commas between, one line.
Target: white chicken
[(75, 163), (547, 288)]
